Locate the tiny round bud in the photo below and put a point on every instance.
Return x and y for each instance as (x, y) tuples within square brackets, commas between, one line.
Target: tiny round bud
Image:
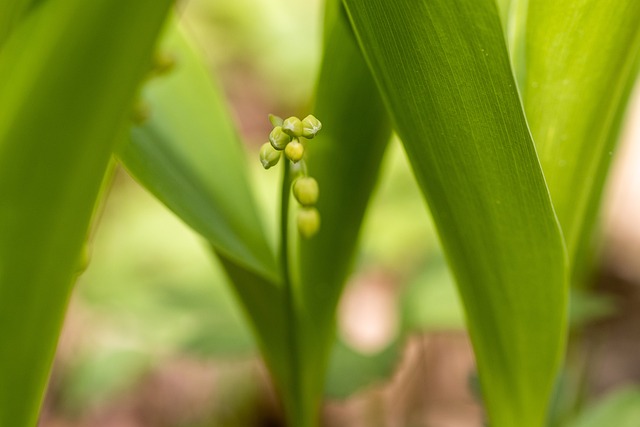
[(293, 127), (140, 113), (305, 190), (268, 156), (278, 138), (310, 126), (163, 62), (294, 151), (308, 222), (275, 120)]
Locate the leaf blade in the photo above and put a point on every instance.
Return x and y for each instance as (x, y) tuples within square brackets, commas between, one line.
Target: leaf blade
[(582, 59), (345, 159), (443, 70), (59, 124), (188, 154)]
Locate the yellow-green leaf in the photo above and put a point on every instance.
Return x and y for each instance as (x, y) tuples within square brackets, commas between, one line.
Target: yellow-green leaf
[(443, 69), (68, 74)]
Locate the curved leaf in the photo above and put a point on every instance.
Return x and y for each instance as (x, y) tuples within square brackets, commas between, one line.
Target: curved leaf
[(620, 408), (443, 69), (189, 156), (582, 60), (67, 82), (345, 160)]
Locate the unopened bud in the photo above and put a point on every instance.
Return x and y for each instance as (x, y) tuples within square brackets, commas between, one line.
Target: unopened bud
[(278, 138), (308, 222), (293, 127), (305, 190), (310, 126), (163, 62), (140, 113), (294, 151), (275, 120), (268, 156)]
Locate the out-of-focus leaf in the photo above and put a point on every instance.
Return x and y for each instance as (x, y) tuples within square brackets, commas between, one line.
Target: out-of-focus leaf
[(189, 156), (351, 371), (67, 81), (621, 409), (582, 60), (586, 306), (10, 13), (444, 72), (345, 159), (431, 301), (96, 378)]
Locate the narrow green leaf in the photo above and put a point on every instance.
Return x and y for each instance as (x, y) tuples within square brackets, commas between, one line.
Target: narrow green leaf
[(444, 72), (10, 13), (621, 409), (188, 154), (345, 159), (582, 60), (67, 81)]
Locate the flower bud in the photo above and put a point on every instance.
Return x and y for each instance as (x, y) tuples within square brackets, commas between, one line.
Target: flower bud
[(278, 138), (294, 151), (268, 156), (308, 222), (275, 120), (163, 63), (305, 190), (293, 127), (310, 126), (140, 113)]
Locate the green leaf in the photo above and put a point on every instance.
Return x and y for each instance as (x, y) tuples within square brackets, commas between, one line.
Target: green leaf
[(345, 159), (189, 156), (582, 60), (620, 408), (430, 301), (10, 13), (67, 81), (443, 69), (351, 371)]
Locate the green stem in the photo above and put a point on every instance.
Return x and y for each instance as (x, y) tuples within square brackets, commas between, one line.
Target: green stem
[(293, 401)]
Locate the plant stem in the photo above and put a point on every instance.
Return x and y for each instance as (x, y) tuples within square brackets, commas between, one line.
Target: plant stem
[(294, 406)]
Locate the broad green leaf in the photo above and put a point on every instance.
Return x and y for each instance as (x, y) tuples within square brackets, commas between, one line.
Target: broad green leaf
[(67, 81), (10, 13), (344, 158), (443, 69), (582, 60), (188, 154), (621, 409), (351, 371)]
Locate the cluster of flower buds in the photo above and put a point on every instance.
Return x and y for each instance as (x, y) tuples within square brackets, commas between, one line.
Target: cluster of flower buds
[(285, 136)]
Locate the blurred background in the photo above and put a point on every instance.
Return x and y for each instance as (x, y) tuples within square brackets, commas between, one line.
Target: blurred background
[(153, 336)]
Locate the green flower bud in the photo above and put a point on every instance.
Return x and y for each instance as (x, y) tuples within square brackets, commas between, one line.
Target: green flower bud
[(294, 151), (163, 63), (293, 127), (268, 156), (278, 138), (140, 113), (310, 126), (275, 120), (308, 222), (305, 190)]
